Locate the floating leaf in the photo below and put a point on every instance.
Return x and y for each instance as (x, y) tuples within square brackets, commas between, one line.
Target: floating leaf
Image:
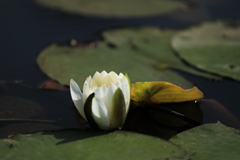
[(153, 44), (135, 51), (89, 145), (212, 47), (63, 63), (115, 7), (162, 92), (210, 141)]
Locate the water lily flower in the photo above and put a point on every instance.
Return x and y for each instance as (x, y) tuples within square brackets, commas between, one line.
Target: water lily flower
[(105, 99)]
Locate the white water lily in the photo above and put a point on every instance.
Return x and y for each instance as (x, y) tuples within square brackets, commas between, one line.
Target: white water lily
[(105, 99)]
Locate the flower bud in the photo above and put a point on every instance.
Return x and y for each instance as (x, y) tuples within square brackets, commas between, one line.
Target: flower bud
[(105, 99)]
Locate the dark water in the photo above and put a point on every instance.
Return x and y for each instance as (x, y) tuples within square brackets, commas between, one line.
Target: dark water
[(26, 28), (221, 99)]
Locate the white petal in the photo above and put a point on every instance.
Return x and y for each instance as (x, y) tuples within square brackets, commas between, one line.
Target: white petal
[(86, 88), (98, 79), (104, 88), (126, 92), (103, 74), (114, 76), (108, 79), (93, 89), (110, 91), (77, 97), (93, 84), (101, 92), (100, 114), (120, 76), (96, 74), (119, 84), (104, 91), (89, 79)]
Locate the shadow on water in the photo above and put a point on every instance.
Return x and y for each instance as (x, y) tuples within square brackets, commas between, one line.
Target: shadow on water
[(163, 120), (166, 120), (27, 28), (70, 135)]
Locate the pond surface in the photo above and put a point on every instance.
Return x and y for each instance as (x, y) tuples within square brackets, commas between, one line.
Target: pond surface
[(27, 28)]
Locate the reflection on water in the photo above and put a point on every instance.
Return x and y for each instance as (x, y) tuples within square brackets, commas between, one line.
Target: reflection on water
[(221, 99), (214, 111), (163, 120)]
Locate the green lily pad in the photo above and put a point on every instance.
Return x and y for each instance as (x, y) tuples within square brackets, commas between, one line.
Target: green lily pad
[(213, 47), (65, 63), (153, 44), (136, 52), (210, 141), (89, 145), (115, 7)]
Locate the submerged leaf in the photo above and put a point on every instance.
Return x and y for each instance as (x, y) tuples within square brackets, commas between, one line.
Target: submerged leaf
[(52, 85), (162, 92), (214, 111)]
